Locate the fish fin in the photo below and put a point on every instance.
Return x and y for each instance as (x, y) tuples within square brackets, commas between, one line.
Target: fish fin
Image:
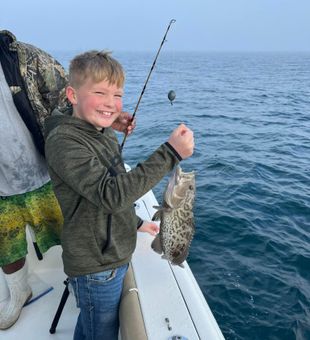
[(178, 263), (157, 216), (181, 258), (156, 245), (164, 257)]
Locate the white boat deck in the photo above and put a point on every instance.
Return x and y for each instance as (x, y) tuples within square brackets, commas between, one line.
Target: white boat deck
[(36, 318), (171, 301)]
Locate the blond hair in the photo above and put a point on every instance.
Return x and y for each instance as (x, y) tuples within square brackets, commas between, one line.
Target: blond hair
[(96, 66)]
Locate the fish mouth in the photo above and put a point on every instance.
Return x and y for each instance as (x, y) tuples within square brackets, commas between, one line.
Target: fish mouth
[(173, 183), (173, 180), (177, 187)]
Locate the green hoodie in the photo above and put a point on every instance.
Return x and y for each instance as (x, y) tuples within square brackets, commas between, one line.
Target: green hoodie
[(95, 192)]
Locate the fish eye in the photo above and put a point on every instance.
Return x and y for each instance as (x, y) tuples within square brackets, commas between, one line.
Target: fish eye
[(191, 187)]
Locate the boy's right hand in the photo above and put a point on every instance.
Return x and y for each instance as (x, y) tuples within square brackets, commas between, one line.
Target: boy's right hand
[(182, 140)]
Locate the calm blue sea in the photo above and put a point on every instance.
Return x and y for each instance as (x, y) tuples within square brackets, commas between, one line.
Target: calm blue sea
[(250, 113)]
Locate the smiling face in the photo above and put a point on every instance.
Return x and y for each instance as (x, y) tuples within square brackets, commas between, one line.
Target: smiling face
[(99, 104)]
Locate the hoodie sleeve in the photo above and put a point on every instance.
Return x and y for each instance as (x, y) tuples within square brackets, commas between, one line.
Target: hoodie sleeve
[(73, 164)]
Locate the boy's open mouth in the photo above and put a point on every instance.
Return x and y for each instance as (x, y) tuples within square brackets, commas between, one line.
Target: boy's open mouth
[(105, 113)]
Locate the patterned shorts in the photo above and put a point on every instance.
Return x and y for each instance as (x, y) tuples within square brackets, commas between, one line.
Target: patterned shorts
[(40, 210)]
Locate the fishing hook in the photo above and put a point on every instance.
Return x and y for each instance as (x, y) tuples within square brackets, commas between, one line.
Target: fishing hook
[(147, 79)]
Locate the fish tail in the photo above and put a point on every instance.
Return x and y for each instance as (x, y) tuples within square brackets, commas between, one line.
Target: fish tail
[(156, 245)]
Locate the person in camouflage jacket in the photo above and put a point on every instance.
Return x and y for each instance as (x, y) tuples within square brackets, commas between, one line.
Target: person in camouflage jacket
[(41, 77), (32, 85)]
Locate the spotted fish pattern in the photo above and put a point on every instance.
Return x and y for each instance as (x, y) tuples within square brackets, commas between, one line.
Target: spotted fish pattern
[(176, 218)]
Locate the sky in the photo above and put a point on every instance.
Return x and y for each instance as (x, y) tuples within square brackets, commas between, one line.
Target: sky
[(139, 25)]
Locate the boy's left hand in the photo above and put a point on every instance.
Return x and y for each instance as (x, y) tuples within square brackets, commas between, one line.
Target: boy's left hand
[(149, 227), (124, 123)]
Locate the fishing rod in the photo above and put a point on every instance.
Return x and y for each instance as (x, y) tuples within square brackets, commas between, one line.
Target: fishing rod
[(147, 79)]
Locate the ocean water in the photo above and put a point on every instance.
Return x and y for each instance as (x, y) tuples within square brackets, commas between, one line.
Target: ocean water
[(250, 113)]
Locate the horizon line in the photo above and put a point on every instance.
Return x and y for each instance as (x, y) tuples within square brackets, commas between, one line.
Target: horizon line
[(181, 51)]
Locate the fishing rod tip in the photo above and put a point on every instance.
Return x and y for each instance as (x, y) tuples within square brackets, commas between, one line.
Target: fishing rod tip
[(172, 21)]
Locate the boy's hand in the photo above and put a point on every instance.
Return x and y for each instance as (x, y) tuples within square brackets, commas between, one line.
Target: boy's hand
[(182, 140), (149, 227), (124, 123)]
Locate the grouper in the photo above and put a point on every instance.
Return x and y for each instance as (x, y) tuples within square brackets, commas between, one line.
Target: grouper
[(176, 218)]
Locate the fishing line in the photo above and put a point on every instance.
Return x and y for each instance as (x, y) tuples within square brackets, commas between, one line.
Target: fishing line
[(147, 79)]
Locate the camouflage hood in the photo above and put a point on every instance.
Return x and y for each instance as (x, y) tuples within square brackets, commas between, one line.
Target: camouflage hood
[(9, 36), (36, 77)]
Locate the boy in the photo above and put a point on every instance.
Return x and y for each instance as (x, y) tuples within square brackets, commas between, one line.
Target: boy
[(96, 194)]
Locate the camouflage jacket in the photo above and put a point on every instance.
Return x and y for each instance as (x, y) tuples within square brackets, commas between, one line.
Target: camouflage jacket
[(43, 77)]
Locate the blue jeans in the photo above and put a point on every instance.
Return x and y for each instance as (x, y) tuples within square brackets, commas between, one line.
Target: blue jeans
[(98, 297)]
